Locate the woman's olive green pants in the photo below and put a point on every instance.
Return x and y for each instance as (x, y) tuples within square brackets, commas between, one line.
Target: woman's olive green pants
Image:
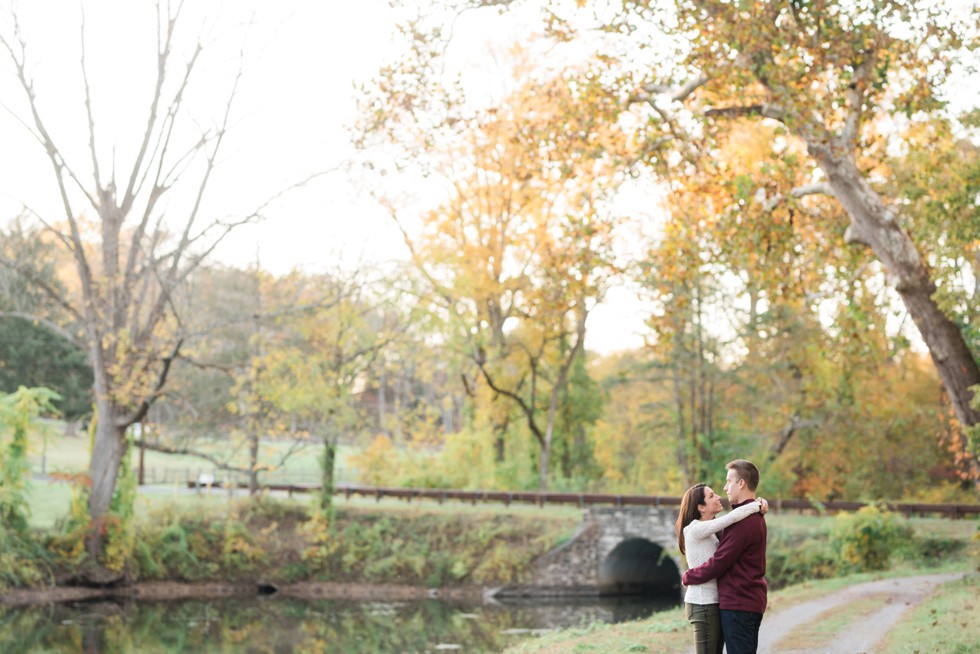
[(707, 628)]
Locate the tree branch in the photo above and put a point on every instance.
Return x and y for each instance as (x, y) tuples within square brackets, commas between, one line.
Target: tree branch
[(50, 325), (819, 188), (51, 291), (766, 110), (675, 93), (855, 98)]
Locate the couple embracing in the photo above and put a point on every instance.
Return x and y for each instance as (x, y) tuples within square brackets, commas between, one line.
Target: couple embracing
[(726, 582)]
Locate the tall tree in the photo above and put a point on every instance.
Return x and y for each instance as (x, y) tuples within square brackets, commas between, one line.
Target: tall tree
[(522, 250), (833, 75), (320, 362), (135, 221)]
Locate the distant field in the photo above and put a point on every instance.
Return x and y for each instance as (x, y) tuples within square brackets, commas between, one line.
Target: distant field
[(71, 454), (50, 501)]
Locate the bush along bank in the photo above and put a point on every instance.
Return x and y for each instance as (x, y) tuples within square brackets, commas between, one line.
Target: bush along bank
[(868, 540), (279, 542)]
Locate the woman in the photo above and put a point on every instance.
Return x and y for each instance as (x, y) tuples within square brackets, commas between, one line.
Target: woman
[(697, 538)]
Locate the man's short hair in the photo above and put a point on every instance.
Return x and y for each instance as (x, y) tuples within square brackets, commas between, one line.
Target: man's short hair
[(747, 471)]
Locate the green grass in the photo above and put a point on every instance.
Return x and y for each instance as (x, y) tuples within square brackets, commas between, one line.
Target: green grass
[(948, 622), (65, 454), (49, 501), (665, 633)]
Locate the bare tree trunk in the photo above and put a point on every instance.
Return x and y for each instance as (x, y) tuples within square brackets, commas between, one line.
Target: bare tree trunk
[(499, 447), (107, 455), (874, 225), (382, 402), (327, 477), (141, 479), (253, 460), (548, 437)]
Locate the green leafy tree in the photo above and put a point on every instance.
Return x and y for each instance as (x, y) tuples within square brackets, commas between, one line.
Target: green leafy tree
[(19, 413), (317, 365)]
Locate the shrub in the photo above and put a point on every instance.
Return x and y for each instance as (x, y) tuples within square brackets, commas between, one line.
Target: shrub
[(866, 538), (813, 559), (22, 561), (933, 550), (239, 553)]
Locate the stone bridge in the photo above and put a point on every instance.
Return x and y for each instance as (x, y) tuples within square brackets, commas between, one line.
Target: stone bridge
[(616, 551)]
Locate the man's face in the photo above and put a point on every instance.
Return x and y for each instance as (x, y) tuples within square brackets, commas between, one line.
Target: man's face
[(734, 487)]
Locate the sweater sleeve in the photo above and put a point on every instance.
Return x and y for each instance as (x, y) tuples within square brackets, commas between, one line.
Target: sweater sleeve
[(724, 557), (703, 528)]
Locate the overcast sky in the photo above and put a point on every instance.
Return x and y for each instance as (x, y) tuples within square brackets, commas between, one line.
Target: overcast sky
[(292, 117)]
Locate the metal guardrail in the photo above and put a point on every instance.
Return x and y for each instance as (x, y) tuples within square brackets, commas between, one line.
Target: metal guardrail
[(954, 511)]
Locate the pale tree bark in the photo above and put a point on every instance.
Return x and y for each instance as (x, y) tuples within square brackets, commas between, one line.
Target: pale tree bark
[(874, 225)]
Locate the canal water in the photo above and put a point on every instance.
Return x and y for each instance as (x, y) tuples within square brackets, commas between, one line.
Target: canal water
[(279, 625)]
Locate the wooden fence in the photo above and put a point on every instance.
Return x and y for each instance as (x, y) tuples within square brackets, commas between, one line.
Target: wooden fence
[(954, 511)]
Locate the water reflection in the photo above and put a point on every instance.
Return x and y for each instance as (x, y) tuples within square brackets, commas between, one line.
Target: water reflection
[(282, 625)]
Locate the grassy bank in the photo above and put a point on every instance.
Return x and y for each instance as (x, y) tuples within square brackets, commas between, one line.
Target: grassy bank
[(276, 541), (212, 537), (947, 623)]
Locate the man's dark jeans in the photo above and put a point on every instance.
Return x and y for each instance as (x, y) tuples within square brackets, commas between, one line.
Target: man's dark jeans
[(741, 631)]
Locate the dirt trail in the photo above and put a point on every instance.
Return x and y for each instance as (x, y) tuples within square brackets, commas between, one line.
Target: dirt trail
[(865, 633)]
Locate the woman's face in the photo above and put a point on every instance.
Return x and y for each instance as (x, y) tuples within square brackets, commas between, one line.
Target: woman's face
[(711, 506)]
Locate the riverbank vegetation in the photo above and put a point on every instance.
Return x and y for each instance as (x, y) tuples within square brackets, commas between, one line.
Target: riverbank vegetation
[(215, 537)]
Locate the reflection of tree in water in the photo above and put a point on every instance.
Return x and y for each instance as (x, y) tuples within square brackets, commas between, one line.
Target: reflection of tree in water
[(274, 625), (283, 625)]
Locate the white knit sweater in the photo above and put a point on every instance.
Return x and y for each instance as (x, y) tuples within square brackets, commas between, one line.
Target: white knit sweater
[(701, 541)]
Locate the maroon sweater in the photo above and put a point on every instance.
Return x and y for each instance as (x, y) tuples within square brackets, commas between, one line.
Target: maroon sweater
[(739, 565)]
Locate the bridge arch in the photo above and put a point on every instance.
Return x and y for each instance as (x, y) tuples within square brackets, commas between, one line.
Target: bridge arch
[(621, 550), (638, 566)]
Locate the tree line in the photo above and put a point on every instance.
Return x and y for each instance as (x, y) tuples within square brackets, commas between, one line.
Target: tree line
[(807, 185)]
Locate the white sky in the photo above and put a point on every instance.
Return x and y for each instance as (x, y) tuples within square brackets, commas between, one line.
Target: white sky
[(295, 106), (292, 118)]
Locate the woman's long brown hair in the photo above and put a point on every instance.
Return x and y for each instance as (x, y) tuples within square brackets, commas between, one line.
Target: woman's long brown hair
[(689, 511)]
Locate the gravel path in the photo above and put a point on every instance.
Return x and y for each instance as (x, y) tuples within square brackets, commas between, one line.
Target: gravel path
[(862, 636)]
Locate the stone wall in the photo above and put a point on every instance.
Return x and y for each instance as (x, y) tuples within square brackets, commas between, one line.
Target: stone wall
[(574, 567)]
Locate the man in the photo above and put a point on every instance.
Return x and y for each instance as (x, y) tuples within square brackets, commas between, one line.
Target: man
[(739, 565)]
